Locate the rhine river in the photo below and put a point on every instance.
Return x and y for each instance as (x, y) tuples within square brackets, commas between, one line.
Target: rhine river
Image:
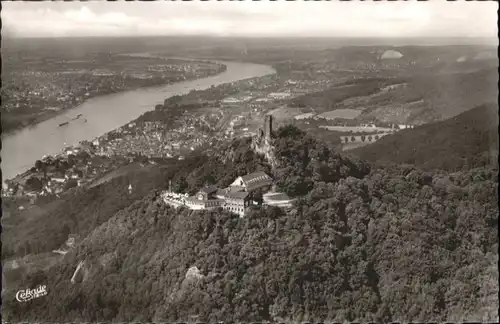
[(104, 113)]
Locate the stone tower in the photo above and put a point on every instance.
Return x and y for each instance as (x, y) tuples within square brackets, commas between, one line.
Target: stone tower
[(268, 128), (262, 143)]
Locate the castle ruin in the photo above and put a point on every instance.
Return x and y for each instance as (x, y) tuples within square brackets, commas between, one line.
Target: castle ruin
[(268, 128), (262, 143)]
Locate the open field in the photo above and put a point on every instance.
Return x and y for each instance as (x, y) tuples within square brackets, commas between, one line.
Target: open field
[(304, 116), (407, 97), (400, 113), (284, 113), (357, 129), (351, 146), (341, 113)]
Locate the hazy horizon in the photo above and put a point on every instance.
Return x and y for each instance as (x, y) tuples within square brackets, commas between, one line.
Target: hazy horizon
[(371, 20)]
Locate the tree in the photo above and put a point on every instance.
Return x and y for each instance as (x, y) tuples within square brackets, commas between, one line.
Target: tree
[(353, 139), (71, 160), (70, 184), (34, 184), (38, 165), (64, 165), (44, 169), (84, 157), (181, 185)]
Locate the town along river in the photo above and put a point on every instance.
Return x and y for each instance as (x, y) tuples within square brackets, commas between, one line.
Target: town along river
[(20, 150)]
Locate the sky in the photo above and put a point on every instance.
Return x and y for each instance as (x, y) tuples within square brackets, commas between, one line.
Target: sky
[(437, 18)]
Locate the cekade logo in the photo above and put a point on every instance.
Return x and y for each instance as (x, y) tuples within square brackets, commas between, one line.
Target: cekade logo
[(29, 294)]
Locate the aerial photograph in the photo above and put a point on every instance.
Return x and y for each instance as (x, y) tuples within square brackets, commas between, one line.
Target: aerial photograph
[(249, 161)]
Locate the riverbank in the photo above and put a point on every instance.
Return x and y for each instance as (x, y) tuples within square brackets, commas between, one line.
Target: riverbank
[(45, 115), (104, 114)]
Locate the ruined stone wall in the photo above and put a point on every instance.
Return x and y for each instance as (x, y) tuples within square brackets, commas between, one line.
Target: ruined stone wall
[(265, 147), (268, 128)]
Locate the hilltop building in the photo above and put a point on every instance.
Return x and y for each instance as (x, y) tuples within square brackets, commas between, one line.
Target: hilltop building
[(253, 188), (252, 182), (236, 202), (236, 198), (204, 199)]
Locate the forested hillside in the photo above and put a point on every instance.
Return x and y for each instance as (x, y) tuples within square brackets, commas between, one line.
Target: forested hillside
[(390, 243), (432, 96), (465, 141), (78, 211)]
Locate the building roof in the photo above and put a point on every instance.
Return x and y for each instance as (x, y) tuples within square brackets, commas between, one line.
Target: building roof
[(221, 192), (236, 189), (209, 189), (256, 180), (226, 191), (256, 176), (275, 196), (195, 200), (237, 195)]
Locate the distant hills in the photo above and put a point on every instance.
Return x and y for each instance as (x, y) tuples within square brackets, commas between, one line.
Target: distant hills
[(417, 55), (467, 140)]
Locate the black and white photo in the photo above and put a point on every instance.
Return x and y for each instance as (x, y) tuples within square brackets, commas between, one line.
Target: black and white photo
[(249, 161)]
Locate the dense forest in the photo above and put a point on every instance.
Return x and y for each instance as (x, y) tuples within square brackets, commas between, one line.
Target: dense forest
[(450, 94), (79, 211), (363, 243), (466, 141)]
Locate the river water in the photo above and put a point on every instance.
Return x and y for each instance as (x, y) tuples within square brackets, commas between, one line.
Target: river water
[(20, 150)]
